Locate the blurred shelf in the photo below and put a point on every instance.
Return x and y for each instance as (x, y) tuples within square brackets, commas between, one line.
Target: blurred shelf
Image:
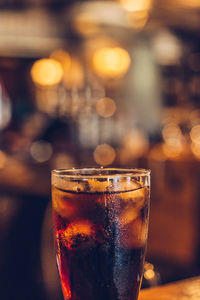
[(35, 31), (29, 33)]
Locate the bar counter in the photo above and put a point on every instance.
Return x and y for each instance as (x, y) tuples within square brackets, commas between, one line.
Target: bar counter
[(188, 289)]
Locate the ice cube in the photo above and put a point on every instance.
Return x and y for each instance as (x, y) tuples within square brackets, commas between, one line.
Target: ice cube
[(98, 186), (134, 234), (63, 204), (128, 214), (124, 185), (69, 185), (78, 235), (139, 230), (136, 196), (74, 206)]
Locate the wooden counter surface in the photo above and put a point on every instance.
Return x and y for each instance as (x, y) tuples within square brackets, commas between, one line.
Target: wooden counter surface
[(188, 289)]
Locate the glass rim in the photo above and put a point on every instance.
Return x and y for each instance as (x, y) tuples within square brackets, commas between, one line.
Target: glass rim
[(85, 173)]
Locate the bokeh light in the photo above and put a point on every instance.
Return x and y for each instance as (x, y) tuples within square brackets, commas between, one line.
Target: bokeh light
[(195, 134), (106, 107), (47, 100), (167, 48), (174, 141), (111, 62), (74, 78), (195, 148), (136, 5), (152, 277), (104, 154), (149, 274), (135, 145), (171, 131), (63, 58), (194, 117), (46, 72), (62, 160), (136, 142), (86, 23), (173, 150), (41, 151), (195, 138), (138, 20)]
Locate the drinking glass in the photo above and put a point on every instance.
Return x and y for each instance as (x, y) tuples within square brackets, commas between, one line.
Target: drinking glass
[(100, 219)]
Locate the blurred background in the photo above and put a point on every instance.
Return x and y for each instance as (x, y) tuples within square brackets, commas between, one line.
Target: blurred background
[(97, 83)]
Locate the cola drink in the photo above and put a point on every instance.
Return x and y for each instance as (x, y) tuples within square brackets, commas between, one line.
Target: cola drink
[(100, 239)]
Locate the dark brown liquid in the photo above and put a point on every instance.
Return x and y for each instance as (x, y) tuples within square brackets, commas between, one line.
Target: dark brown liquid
[(100, 244)]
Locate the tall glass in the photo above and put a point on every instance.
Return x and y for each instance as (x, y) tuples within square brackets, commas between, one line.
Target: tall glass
[(100, 221)]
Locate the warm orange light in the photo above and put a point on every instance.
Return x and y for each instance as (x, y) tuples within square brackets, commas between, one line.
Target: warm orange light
[(47, 99), (174, 140), (63, 58), (136, 143), (149, 274), (104, 155), (171, 131), (63, 160), (195, 134), (46, 72), (173, 150), (195, 148), (111, 62), (74, 78), (85, 23), (106, 107), (72, 68), (139, 19), (167, 48), (195, 137), (191, 3), (136, 5)]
